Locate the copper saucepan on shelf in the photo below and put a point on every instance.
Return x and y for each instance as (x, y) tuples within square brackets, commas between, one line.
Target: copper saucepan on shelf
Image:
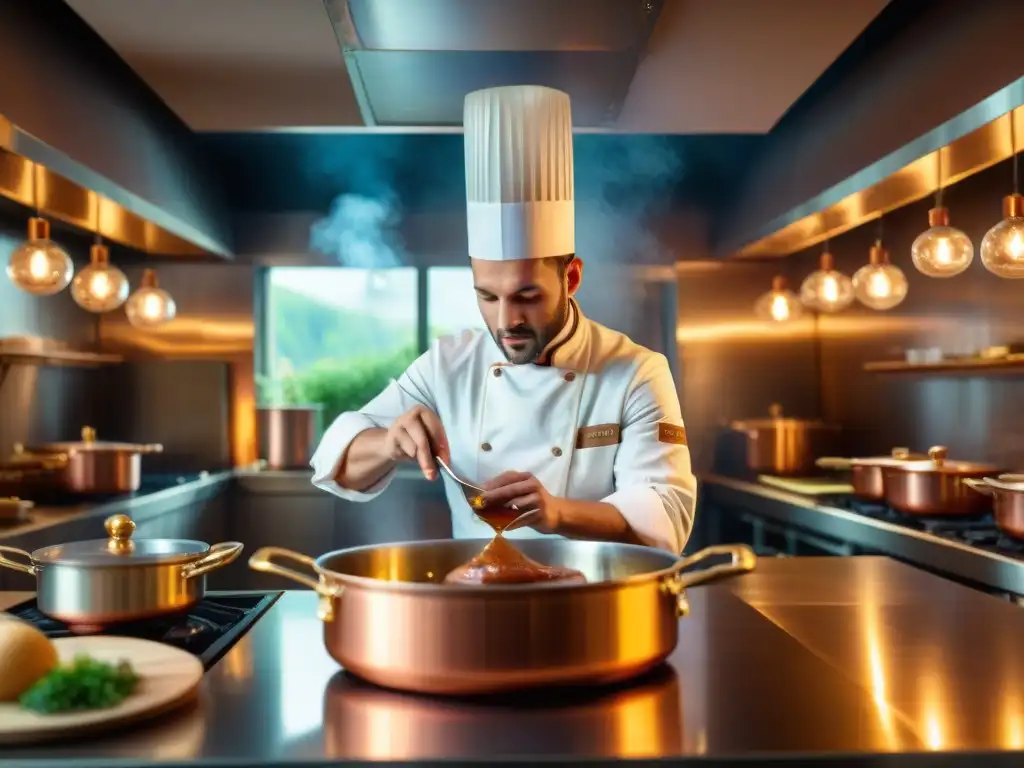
[(88, 467), (389, 619), (935, 487), (866, 475), (1007, 494)]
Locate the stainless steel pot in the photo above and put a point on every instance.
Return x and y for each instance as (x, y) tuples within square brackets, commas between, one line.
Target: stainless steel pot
[(87, 467), (935, 487), (1007, 495), (866, 475), (389, 619), (118, 579), (785, 446)]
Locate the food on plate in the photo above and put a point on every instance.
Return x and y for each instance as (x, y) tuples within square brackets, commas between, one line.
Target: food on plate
[(85, 683), (26, 655), (502, 563)]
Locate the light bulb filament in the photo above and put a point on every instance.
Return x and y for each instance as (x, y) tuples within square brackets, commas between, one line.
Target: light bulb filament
[(943, 253), (879, 285), (1016, 246), (780, 308), (39, 265)]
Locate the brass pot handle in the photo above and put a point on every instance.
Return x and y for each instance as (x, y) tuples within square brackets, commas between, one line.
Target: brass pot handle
[(216, 557), (14, 565), (263, 560), (829, 462), (978, 485), (742, 560)]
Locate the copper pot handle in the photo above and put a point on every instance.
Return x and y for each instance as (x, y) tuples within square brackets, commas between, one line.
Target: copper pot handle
[(829, 462), (263, 560), (743, 560), (978, 485), (5, 562), (216, 557)]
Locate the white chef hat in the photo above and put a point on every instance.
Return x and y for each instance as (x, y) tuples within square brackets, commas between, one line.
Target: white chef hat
[(519, 180)]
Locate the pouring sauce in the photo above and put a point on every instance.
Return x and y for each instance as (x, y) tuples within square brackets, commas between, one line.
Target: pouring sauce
[(502, 563)]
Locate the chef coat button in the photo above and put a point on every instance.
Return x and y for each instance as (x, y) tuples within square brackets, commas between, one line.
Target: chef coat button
[(556, 451), (497, 372), (485, 447), (569, 376)]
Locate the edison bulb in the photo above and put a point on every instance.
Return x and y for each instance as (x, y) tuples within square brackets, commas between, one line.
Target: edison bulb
[(941, 250), (99, 287), (1002, 250), (879, 284), (827, 290), (779, 305), (150, 306), (39, 266)]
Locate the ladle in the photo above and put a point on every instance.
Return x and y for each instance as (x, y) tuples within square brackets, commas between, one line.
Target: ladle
[(473, 496)]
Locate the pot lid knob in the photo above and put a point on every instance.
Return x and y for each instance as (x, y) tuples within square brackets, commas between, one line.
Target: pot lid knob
[(938, 454), (88, 435), (120, 529)]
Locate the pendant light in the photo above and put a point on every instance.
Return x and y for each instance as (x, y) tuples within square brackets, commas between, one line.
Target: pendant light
[(39, 266), (1002, 249), (879, 284), (826, 289), (99, 287), (941, 250), (779, 305), (150, 306)]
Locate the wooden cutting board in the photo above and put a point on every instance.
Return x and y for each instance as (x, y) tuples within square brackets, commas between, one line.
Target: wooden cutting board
[(809, 486), (169, 677)]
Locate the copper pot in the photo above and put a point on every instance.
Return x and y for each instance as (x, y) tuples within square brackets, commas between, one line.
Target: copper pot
[(642, 719), (784, 446), (389, 619), (89, 467), (935, 487), (1007, 502), (866, 475)]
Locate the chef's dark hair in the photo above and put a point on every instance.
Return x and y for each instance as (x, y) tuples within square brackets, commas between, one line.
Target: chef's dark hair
[(561, 263)]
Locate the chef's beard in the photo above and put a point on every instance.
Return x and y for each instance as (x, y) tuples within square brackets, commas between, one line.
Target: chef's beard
[(535, 341)]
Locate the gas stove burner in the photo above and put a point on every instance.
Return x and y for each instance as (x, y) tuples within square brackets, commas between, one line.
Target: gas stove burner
[(206, 630)]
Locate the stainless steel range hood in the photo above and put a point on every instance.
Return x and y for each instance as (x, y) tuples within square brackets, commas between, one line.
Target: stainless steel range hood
[(411, 63)]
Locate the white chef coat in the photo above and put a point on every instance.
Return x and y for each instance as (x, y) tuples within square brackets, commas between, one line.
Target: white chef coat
[(600, 423)]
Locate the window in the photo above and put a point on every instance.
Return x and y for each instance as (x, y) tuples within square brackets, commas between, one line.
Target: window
[(336, 336), (451, 304)]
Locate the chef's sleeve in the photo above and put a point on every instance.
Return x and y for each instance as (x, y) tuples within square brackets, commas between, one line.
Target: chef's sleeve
[(656, 490), (413, 387)]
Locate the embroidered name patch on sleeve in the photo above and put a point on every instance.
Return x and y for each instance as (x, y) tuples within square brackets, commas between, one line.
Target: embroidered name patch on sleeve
[(670, 433), (597, 436)]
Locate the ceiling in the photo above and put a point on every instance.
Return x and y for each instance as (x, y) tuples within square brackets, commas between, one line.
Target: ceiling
[(711, 66)]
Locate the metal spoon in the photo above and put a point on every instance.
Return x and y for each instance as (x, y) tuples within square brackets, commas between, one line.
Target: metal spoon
[(473, 496)]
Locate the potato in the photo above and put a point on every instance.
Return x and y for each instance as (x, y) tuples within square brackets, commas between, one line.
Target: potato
[(26, 656)]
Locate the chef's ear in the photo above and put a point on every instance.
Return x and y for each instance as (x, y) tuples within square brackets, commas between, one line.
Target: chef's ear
[(574, 274)]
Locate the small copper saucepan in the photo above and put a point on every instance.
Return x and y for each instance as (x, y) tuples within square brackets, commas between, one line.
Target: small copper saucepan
[(866, 475), (1007, 492), (935, 487)]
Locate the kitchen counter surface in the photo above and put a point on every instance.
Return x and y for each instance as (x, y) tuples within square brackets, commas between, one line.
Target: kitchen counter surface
[(811, 658), (1001, 570)]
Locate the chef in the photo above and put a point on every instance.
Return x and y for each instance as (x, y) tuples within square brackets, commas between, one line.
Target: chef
[(546, 409)]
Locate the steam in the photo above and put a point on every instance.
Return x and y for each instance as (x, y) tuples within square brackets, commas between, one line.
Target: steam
[(622, 182), (360, 231)]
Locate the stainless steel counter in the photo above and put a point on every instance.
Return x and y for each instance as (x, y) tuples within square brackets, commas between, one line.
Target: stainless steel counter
[(809, 658), (993, 570)]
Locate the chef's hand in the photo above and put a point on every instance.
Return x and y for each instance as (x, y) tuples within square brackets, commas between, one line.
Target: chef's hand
[(417, 435), (525, 492)]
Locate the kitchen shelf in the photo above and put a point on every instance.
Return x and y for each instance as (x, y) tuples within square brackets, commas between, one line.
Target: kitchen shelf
[(953, 365)]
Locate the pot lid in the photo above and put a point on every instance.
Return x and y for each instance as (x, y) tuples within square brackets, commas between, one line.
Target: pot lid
[(90, 443), (121, 549), (776, 419), (896, 456), (937, 462)]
